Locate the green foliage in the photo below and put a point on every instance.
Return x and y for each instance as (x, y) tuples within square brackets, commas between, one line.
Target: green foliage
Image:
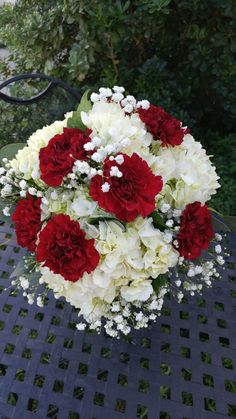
[(158, 221), (85, 105), (186, 48), (159, 282), (10, 150), (223, 150)]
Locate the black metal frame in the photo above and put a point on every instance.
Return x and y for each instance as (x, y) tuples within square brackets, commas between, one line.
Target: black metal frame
[(53, 82)]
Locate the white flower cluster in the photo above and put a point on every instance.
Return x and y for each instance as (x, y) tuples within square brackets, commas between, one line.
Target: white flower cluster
[(116, 95), (123, 272), (115, 131), (195, 276), (123, 316), (31, 289), (187, 173)]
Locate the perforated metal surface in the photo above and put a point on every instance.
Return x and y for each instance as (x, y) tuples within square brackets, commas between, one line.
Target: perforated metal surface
[(184, 367)]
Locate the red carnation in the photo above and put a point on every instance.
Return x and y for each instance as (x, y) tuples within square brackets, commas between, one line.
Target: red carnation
[(58, 157), (64, 249), (27, 222), (196, 230), (132, 194), (162, 126)]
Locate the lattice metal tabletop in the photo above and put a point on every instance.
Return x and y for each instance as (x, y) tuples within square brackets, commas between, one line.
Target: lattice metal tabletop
[(184, 367)]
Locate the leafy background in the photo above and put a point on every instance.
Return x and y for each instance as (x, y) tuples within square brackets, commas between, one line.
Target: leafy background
[(179, 54)]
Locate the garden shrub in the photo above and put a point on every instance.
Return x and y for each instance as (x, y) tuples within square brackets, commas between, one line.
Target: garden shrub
[(223, 151), (177, 53)]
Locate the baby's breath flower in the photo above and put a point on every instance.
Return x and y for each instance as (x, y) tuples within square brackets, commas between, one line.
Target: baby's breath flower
[(105, 187), (118, 89), (170, 223), (218, 248), (218, 237), (94, 97), (81, 326), (128, 108), (23, 184), (117, 97), (32, 191), (115, 171), (6, 211)]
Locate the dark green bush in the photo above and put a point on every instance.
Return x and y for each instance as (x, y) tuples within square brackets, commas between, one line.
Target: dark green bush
[(178, 53), (223, 153)]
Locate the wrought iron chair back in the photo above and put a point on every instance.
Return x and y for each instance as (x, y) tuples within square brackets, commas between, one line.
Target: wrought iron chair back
[(52, 83)]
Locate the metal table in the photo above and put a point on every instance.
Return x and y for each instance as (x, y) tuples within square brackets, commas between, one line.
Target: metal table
[(182, 368)]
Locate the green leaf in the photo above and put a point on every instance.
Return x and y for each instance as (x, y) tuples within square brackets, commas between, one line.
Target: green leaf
[(158, 221), (159, 282), (85, 105), (96, 220), (10, 150), (215, 211)]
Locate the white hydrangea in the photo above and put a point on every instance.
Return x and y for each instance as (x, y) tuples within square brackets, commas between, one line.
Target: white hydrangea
[(159, 255), (139, 289), (187, 172), (121, 255), (82, 294), (57, 202), (82, 205)]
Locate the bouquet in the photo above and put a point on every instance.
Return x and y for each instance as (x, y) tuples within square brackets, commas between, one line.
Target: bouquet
[(111, 205)]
